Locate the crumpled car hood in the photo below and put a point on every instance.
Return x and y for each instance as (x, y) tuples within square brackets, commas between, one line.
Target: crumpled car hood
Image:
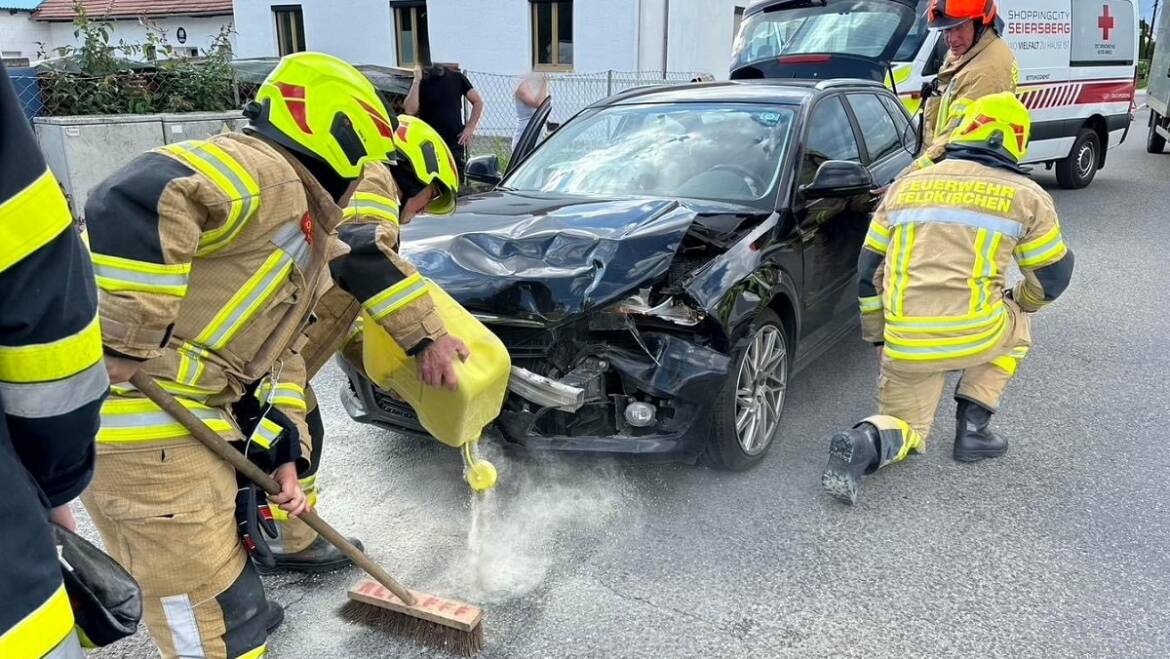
[(546, 257)]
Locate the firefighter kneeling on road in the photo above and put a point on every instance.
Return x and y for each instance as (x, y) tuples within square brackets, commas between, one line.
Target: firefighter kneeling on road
[(211, 256), (932, 277), (979, 63)]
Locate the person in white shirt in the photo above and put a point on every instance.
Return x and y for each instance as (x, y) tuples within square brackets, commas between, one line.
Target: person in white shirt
[(529, 94)]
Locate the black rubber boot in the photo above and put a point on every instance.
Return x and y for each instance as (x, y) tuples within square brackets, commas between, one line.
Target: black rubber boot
[(852, 455), (974, 440), (317, 558), (275, 617)]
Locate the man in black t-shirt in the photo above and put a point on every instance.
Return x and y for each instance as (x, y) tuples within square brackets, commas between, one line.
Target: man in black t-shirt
[(436, 97)]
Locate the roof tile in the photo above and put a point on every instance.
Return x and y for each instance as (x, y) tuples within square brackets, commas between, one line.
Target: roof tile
[(62, 10)]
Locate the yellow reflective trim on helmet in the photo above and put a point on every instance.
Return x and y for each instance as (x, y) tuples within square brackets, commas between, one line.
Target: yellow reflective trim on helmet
[(247, 302), (41, 630), (55, 360), (31, 218), (232, 180)]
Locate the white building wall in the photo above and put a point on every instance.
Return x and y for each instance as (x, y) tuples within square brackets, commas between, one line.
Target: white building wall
[(20, 35), (700, 38), (359, 31), (201, 31)]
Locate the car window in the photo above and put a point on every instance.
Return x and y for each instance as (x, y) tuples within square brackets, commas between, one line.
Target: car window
[(900, 121), (881, 135), (830, 137), (721, 152), (910, 46)]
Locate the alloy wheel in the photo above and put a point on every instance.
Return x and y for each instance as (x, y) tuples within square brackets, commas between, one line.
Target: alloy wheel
[(760, 389)]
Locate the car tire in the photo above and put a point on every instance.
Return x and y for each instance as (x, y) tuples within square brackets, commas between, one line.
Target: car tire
[(730, 446), (1078, 169), (1155, 143)]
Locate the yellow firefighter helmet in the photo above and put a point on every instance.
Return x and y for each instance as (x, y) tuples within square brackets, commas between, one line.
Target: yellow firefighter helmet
[(323, 107), (998, 122)]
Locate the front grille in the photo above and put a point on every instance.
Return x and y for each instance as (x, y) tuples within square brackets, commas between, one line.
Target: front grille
[(397, 409)]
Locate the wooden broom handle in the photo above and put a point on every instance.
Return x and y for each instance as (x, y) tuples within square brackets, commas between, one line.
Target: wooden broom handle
[(209, 438)]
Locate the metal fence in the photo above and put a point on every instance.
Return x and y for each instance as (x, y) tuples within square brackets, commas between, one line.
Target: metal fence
[(62, 93), (570, 93)]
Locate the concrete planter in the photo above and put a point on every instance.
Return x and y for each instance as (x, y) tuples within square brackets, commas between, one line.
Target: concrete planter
[(200, 125), (83, 150)]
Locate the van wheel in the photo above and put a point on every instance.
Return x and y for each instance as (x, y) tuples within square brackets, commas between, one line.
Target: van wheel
[(746, 415), (1155, 143), (1078, 169)]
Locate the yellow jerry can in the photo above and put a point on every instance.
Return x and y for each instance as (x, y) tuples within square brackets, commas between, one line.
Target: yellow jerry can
[(455, 418)]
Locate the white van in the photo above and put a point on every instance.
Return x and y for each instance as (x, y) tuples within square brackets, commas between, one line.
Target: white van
[(1077, 62)]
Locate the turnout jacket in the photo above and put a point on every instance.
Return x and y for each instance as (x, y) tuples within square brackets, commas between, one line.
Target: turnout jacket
[(211, 256), (989, 67), (933, 267), (52, 382), (372, 276)]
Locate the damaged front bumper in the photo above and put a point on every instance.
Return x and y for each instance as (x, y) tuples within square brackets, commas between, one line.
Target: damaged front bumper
[(649, 398)]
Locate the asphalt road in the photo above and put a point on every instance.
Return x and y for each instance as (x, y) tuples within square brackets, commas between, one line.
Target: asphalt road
[(1056, 550)]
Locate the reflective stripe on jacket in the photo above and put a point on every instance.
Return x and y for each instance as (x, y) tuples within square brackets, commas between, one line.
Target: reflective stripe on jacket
[(372, 276), (934, 263), (52, 382)]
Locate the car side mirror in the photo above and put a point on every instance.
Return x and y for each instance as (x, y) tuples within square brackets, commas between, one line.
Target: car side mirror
[(838, 178), (485, 169)]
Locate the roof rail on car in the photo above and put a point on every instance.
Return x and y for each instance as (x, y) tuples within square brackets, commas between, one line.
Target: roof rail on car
[(848, 82)]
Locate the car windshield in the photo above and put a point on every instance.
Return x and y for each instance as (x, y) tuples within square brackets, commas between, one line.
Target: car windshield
[(727, 152), (913, 41), (862, 28)]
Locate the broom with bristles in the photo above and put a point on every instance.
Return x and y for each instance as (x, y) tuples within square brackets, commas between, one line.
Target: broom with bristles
[(381, 602)]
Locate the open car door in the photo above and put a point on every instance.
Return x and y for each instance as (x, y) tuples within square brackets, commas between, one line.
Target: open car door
[(531, 135), (821, 39)]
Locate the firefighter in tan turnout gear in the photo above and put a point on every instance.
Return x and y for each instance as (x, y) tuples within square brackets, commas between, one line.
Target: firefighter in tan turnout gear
[(932, 278), (210, 256), (423, 178), (979, 63)]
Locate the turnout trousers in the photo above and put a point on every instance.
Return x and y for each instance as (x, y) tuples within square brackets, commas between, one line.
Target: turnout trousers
[(908, 394), (166, 512)]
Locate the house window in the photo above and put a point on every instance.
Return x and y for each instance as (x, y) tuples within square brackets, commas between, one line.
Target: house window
[(290, 29), (552, 35), (413, 36)]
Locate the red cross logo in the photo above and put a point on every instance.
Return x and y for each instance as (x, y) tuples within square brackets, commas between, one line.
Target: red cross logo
[(1105, 22)]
